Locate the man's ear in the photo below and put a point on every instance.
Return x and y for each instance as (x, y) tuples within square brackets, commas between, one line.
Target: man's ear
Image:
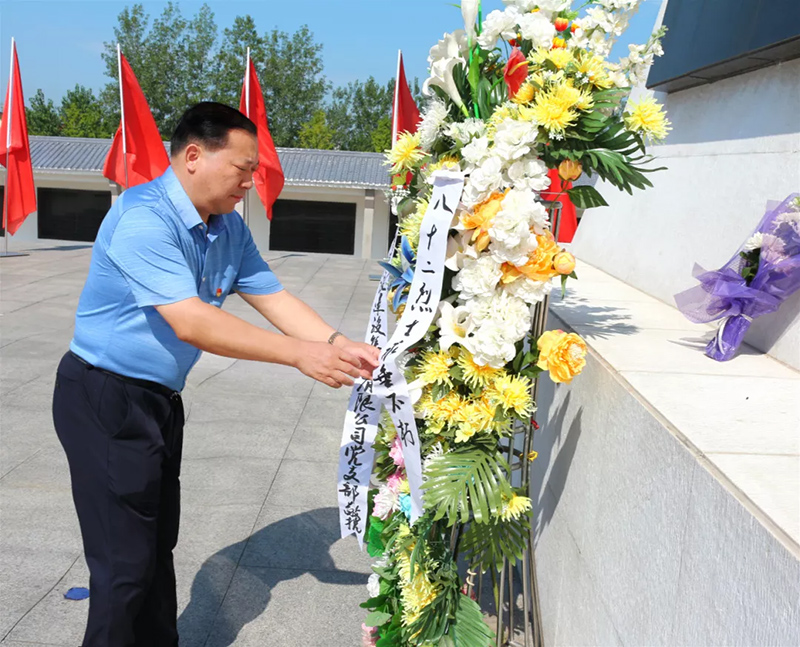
[(191, 156)]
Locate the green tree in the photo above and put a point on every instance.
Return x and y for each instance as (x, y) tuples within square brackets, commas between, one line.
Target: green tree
[(42, 116), (81, 114), (316, 133)]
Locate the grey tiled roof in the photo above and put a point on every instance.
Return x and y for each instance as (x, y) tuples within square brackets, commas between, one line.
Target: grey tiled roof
[(302, 167)]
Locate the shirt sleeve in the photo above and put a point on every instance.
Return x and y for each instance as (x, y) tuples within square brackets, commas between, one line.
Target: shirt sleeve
[(150, 258), (255, 276)]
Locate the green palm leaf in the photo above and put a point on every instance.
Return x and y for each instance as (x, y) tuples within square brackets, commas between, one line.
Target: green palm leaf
[(466, 480), (486, 545)]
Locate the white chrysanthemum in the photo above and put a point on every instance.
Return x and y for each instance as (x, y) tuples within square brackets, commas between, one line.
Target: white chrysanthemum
[(464, 132), (502, 320), (512, 314), (475, 152), (478, 278), (756, 241), (432, 122), (492, 347), (374, 585), (528, 290), (499, 23), (512, 224), (537, 27), (514, 139), (528, 173), (485, 179), (515, 254), (385, 502)]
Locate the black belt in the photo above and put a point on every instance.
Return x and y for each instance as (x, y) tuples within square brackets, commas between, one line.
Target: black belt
[(145, 384)]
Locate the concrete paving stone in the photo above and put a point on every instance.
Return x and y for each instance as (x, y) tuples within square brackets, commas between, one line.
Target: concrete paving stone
[(38, 518), (329, 412), (28, 575), (17, 372), (215, 531), (222, 481), (316, 442), (309, 540), (306, 485), (236, 439), (284, 608), (55, 620), (279, 409), (47, 471)]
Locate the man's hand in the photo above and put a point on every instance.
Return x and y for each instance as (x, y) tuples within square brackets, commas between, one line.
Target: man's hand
[(330, 364), (369, 356)]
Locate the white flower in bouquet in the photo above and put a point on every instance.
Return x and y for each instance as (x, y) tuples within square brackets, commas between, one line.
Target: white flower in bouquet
[(502, 320), (443, 57), (476, 152), (478, 278), (499, 23), (469, 12), (512, 314), (465, 131), (492, 346), (514, 254), (514, 139), (528, 173), (485, 179), (528, 290), (620, 5), (756, 241), (415, 389), (374, 585), (537, 28), (432, 122), (455, 325), (523, 201), (386, 501), (459, 248)]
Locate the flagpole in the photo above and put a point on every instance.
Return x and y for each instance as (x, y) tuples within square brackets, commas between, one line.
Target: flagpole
[(8, 146), (396, 97), (247, 114), (122, 115)]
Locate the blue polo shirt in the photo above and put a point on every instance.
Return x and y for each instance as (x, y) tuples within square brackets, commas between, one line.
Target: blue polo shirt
[(153, 249)]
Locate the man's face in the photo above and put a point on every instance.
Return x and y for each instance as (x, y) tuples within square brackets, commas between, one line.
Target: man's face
[(225, 175)]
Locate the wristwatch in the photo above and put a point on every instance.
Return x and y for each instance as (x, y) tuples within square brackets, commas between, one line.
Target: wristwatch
[(333, 337)]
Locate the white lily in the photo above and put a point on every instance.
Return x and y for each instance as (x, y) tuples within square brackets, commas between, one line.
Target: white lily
[(459, 248), (415, 389), (455, 325), (469, 11), (443, 57)]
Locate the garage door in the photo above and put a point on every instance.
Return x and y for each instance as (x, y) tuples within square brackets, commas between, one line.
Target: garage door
[(67, 214), (306, 226)]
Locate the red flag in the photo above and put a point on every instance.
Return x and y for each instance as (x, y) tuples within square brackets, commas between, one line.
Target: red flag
[(15, 153), (142, 150), (405, 114), (568, 222), (268, 178)]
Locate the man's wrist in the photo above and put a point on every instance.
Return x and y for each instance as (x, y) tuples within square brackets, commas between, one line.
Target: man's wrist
[(337, 338)]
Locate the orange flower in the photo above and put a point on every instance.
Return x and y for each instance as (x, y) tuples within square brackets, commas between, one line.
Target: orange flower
[(561, 24), (564, 263), (481, 219), (540, 262), (569, 170), (559, 43)]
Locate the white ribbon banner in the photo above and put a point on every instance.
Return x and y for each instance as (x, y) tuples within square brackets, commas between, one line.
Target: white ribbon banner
[(389, 387)]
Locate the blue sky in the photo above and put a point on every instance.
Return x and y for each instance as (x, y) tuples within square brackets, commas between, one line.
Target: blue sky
[(59, 41)]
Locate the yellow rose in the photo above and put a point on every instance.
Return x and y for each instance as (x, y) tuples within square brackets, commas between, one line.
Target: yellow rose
[(564, 263), (561, 353)]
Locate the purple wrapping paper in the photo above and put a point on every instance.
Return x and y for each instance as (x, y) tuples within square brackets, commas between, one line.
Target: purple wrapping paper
[(724, 294)]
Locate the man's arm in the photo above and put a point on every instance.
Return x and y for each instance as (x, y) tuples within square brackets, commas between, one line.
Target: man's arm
[(297, 319), (215, 331)]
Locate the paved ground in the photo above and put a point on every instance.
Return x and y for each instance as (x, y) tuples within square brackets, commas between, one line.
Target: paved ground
[(259, 561)]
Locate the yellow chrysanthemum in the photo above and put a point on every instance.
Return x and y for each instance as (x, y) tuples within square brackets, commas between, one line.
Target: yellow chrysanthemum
[(559, 57), (524, 94), (549, 111), (475, 375), (446, 162), (472, 418), (415, 594), (566, 94), (593, 68), (585, 101), (513, 393), (514, 507), (648, 118), (435, 367), (406, 153), (410, 225)]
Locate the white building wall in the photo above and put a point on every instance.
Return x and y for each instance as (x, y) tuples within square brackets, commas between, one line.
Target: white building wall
[(734, 145)]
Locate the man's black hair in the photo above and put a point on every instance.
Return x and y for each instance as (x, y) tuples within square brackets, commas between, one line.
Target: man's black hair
[(208, 123)]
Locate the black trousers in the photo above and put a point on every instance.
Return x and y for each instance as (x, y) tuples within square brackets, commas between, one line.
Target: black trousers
[(123, 441)]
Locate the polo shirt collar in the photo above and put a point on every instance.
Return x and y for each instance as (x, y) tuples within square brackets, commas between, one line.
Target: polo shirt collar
[(180, 200)]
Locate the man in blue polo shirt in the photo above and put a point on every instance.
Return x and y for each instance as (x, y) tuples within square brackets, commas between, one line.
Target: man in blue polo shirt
[(166, 256)]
